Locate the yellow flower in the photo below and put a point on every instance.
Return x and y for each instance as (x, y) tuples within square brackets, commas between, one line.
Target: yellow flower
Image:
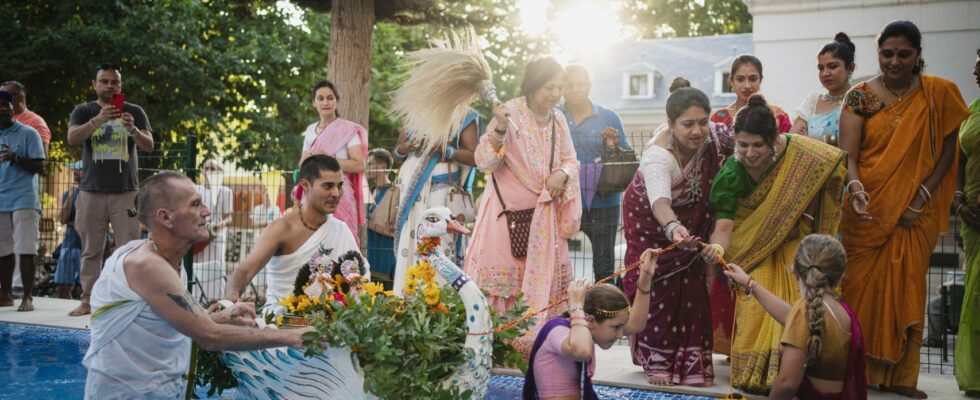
[(389, 293), (303, 303), (411, 273), (426, 272), (279, 320), (373, 288), (431, 293), (411, 286)]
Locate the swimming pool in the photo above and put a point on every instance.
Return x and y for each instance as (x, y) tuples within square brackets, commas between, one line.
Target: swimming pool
[(46, 363)]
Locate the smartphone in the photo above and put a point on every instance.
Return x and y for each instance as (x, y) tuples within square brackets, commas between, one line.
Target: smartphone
[(117, 100)]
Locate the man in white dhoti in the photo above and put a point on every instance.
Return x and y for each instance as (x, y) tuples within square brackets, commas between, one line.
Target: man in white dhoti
[(288, 243), (144, 318)]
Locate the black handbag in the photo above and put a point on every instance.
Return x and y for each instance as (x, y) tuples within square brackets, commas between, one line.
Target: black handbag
[(617, 171), (519, 221)]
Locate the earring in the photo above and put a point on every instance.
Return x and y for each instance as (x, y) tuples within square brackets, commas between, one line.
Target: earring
[(774, 153), (670, 143), (735, 155)]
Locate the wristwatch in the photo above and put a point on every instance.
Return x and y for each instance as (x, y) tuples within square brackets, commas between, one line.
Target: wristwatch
[(134, 131)]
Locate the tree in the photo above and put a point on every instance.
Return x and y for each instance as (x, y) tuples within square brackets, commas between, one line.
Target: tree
[(235, 74), (681, 18), (349, 63)]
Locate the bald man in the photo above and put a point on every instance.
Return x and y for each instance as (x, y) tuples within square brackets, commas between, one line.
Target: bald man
[(144, 318)]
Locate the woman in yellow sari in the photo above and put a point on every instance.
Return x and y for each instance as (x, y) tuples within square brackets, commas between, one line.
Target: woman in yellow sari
[(777, 189), (900, 132)]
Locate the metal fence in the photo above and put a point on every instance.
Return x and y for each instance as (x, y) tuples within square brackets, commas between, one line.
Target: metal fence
[(257, 197)]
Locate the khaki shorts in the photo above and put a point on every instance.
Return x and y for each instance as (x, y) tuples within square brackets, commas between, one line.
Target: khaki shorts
[(19, 232)]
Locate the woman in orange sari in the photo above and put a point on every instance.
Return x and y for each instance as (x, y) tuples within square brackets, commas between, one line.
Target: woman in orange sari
[(900, 133)]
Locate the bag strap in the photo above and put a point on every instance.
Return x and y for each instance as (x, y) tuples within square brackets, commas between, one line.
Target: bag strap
[(551, 164)]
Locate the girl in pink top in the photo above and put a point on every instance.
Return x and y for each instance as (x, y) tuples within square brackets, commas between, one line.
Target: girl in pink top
[(563, 353)]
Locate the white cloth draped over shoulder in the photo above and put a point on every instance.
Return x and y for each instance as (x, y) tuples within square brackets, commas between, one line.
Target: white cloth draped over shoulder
[(133, 353), (280, 271)]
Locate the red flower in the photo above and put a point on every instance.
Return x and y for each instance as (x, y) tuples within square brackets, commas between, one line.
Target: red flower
[(783, 123), (339, 297)]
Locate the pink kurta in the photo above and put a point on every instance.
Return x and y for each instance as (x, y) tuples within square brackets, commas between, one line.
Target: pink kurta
[(333, 138), (521, 173)]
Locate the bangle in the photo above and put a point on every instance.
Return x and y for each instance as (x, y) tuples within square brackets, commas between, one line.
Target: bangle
[(91, 124), (499, 131), (749, 287), (922, 189), (959, 193), (808, 217), (582, 324), (867, 197), (848, 187), (398, 155), (644, 292), (914, 210), (450, 153), (574, 309)]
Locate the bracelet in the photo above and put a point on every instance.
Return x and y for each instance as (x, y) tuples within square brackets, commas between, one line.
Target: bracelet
[(924, 192), (574, 309), (499, 131), (867, 197), (749, 287), (91, 124), (848, 186), (669, 229), (959, 193), (582, 324), (808, 217), (398, 155), (133, 132), (450, 153), (914, 210), (644, 292)]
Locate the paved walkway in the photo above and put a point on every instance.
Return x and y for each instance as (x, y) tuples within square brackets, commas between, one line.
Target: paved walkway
[(613, 368)]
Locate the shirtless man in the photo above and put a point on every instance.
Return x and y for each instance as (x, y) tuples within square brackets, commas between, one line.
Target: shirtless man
[(144, 318), (287, 243)]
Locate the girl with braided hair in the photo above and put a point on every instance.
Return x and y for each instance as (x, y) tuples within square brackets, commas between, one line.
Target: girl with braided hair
[(822, 344)]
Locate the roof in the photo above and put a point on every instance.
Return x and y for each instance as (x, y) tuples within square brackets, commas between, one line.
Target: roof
[(694, 58)]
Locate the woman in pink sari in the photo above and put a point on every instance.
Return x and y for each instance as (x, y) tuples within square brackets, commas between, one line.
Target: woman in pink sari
[(347, 142), (533, 167)]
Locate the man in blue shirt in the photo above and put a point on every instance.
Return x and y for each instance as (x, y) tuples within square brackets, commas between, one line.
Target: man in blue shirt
[(21, 159), (587, 120)]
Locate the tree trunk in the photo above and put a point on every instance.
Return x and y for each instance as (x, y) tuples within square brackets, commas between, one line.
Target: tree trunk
[(349, 60)]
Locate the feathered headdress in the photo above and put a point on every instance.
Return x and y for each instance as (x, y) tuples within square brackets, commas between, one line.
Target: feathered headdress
[(445, 80)]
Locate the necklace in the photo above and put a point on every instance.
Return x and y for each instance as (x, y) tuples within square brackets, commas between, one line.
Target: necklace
[(301, 219), (898, 115), (904, 92), (156, 249), (836, 100)]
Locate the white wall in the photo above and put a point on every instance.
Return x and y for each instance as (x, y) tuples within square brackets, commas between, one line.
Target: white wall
[(789, 33)]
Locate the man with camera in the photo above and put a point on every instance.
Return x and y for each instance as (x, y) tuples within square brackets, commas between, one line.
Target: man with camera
[(109, 131)]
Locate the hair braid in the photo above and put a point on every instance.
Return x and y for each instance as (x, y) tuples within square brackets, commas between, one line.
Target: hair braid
[(816, 283), (819, 264)]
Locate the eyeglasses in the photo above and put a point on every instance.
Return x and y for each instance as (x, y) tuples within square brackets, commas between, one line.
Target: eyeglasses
[(107, 67)]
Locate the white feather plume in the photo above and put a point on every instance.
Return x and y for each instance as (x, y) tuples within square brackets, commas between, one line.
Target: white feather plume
[(445, 80)]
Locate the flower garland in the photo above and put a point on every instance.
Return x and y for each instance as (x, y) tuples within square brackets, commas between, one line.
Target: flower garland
[(428, 245)]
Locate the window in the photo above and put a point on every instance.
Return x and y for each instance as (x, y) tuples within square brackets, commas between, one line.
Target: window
[(639, 85), (723, 86)]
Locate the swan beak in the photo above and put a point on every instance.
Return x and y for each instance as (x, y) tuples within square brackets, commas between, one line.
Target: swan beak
[(453, 226)]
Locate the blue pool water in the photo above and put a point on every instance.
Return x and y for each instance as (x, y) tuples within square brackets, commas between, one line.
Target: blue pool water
[(40, 363)]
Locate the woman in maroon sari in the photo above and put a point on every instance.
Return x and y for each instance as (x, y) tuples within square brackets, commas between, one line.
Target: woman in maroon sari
[(667, 202)]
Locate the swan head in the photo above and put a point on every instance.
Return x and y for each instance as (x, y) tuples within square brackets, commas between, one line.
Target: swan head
[(438, 222)]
